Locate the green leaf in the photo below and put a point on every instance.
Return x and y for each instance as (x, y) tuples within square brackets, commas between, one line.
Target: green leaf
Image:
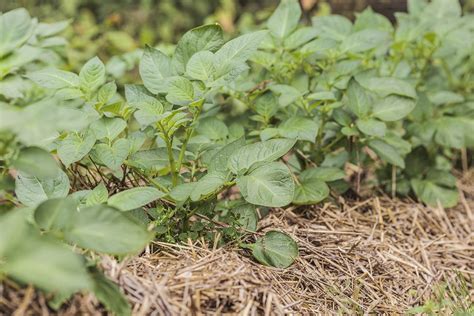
[(108, 128), (105, 229), (368, 19), (97, 196), (385, 86), (267, 151), (300, 36), (54, 214), (288, 94), (299, 128), (106, 92), (201, 66), (365, 40), (31, 191), (247, 216), (333, 27), (220, 160), (387, 152), (207, 185), (151, 160), (212, 128), (358, 101), (182, 191), (16, 28), (54, 78), (180, 91), (266, 105), (135, 198), (75, 147), (453, 132), (275, 249), (109, 294), (372, 127), (92, 75), (237, 51), (155, 69), (268, 185), (36, 162), (285, 18), (431, 193), (112, 156), (326, 174), (150, 110), (207, 37), (393, 108), (310, 191), (31, 258)]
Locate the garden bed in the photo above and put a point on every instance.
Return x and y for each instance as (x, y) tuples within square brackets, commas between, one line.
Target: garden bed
[(377, 255)]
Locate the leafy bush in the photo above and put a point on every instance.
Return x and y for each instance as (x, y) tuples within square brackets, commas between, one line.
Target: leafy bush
[(209, 138)]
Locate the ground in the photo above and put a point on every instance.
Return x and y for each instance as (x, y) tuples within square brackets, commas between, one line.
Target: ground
[(375, 255)]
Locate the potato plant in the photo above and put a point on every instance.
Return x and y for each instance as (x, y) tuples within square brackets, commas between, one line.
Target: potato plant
[(218, 130)]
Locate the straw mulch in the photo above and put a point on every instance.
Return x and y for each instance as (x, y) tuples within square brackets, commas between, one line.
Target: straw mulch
[(378, 255)]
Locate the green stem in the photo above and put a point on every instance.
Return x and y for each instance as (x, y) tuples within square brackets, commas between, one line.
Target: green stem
[(189, 133), (174, 172)]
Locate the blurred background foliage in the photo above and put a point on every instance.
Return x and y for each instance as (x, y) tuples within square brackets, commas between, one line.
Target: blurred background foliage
[(121, 27)]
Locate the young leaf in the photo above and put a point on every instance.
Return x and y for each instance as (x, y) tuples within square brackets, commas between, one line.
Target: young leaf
[(202, 38), (358, 101), (275, 249), (268, 185), (385, 86), (237, 51), (285, 18), (201, 66), (75, 147), (267, 151), (155, 69), (16, 28), (92, 75), (135, 198), (325, 174), (334, 27), (180, 91), (108, 128), (106, 92), (365, 40), (112, 156), (31, 190)]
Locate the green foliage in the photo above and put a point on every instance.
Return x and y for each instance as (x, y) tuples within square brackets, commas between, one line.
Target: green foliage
[(272, 116)]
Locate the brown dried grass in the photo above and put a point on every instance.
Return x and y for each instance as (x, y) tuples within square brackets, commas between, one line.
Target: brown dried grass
[(378, 255)]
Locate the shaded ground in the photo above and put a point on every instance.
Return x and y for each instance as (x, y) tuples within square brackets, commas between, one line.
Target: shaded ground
[(374, 256)]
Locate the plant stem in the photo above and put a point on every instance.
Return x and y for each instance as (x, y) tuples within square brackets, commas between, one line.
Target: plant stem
[(189, 133)]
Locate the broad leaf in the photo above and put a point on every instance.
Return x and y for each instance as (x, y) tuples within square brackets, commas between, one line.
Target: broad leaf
[(310, 191), (268, 185), (112, 156), (247, 216), (275, 249), (393, 108), (155, 69), (36, 162), (92, 75), (371, 127), (431, 193), (105, 229), (201, 66), (134, 198), (220, 160), (31, 190), (108, 128), (54, 78), (212, 128), (16, 28), (285, 18), (358, 101), (387, 153), (180, 91), (244, 158), (300, 128), (75, 147)]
